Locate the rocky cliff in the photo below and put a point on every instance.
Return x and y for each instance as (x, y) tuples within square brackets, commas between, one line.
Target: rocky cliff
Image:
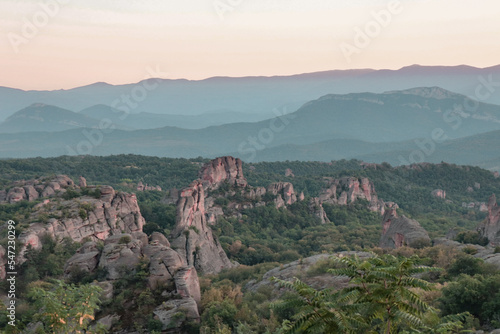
[(220, 170), (168, 274), (84, 217), (490, 228), (33, 189), (192, 237), (401, 231), (350, 189)]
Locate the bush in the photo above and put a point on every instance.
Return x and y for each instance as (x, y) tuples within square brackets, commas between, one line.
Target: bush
[(83, 214), (125, 239)]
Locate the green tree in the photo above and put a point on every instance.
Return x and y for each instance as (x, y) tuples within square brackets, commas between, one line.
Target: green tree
[(66, 308), (381, 297)]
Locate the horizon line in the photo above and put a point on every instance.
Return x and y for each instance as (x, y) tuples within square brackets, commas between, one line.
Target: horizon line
[(253, 76)]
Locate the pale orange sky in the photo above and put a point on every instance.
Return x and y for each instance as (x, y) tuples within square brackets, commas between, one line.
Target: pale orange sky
[(85, 41)]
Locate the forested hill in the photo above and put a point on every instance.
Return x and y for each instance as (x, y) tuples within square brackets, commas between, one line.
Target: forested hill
[(466, 187), (409, 186)]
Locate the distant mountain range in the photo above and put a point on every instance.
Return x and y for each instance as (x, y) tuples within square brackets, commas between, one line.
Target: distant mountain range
[(257, 96), (392, 126)]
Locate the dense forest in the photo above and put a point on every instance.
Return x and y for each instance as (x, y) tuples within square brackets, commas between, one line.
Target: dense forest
[(456, 292)]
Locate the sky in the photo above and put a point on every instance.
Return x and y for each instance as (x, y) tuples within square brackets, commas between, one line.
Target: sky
[(61, 44)]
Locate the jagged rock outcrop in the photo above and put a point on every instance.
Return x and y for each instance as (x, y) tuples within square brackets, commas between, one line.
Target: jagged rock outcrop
[(289, 173), (350, 189), (439, 193), (82, 182), (123, 252), (490, 228), (85, 217), (318, 211), (31, 190), (401, 231), (220, 170), (146, 187), (192, 238), (284, 191), (256, 192)]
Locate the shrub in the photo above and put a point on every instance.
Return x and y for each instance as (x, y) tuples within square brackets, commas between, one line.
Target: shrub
[(125, 239)]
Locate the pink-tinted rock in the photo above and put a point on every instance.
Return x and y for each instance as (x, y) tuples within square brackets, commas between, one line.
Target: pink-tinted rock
[(490, 228), (192, 238), (439, 193), (82, 182), (401, 231), (220, 170), (285, 191), (16, 194)]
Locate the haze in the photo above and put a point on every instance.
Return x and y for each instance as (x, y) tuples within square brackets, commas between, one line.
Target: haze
[(117, 40)]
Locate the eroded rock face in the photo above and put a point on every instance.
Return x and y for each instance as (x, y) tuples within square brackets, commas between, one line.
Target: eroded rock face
[(285, 191), (220, 170), (490, 228), (192, 238), (123, 252), (439, 193), (317, 210), (350, 189), (33, 189), (167, 312), (86, 217), (401, 231)]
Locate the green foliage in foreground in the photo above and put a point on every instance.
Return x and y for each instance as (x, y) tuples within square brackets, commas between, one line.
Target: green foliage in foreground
[(65, 308), (381, 298)]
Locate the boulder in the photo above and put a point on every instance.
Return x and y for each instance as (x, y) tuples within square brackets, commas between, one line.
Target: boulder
[(401, 231), (82, 182), (490, 228), (174, 313), (16, 194)]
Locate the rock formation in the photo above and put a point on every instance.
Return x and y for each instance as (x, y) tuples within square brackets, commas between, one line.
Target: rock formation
[(146, 187), (123, 252), (439, 193), (350, 189), (289, 173), (401, 231), (33, 189), (490, 228), (220, 170), (318, 211), (82, 182), (284, 191), (192, 238)]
